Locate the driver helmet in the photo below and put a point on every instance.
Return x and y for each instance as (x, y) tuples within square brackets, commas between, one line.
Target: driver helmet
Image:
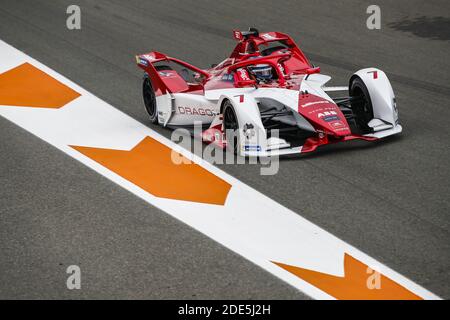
[(262, 72)]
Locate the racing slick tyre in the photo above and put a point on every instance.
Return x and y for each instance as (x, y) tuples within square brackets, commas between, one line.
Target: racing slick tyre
[(231, 127), (361, 104), (150, 100)]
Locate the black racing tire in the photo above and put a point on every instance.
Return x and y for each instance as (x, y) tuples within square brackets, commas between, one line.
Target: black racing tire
[(150, 100), (231, 124), (362, 106)]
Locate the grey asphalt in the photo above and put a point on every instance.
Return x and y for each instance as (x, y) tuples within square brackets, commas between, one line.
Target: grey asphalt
[(389, 199)]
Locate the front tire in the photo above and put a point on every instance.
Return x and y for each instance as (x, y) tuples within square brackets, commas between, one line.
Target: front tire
[(231, 127), (361, 105), (150, 100)]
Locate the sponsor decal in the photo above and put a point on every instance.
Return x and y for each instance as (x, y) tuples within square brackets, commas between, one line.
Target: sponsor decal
[(267, 36), (228, 77), (237, 35), (322, 110), (252, 147), (148, 57), (327, 114), (337, 124), (375, 74), (165, 74), (243, 74), (196, 111), (144, 62), (331, 118), (341, 129), (308, 104), (281, 68)]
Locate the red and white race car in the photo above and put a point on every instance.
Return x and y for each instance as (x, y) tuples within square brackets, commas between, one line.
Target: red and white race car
[(267, 99)]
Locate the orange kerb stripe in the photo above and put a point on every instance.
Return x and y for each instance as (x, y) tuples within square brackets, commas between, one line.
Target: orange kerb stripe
[(353, 285), (27, 86), (149, 166)]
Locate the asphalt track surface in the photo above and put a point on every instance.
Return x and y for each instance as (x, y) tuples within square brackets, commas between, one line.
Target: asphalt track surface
[(389, 199)]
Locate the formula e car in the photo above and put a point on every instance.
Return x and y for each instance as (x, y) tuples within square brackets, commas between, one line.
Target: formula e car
[(267, 99)]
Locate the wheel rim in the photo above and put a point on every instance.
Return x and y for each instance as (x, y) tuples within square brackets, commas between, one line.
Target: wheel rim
[(149, 99), (230, 123)]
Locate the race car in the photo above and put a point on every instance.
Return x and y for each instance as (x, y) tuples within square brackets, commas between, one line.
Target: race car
[(267, 99)]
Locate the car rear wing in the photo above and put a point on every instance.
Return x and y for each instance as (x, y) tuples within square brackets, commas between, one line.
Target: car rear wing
[(146, 62)]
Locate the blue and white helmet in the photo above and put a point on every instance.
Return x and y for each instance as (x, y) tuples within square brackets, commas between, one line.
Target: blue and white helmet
[(262, 72)]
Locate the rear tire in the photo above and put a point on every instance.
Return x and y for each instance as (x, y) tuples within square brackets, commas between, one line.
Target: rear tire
[(150, 100), (362, 108), (231, 127)]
